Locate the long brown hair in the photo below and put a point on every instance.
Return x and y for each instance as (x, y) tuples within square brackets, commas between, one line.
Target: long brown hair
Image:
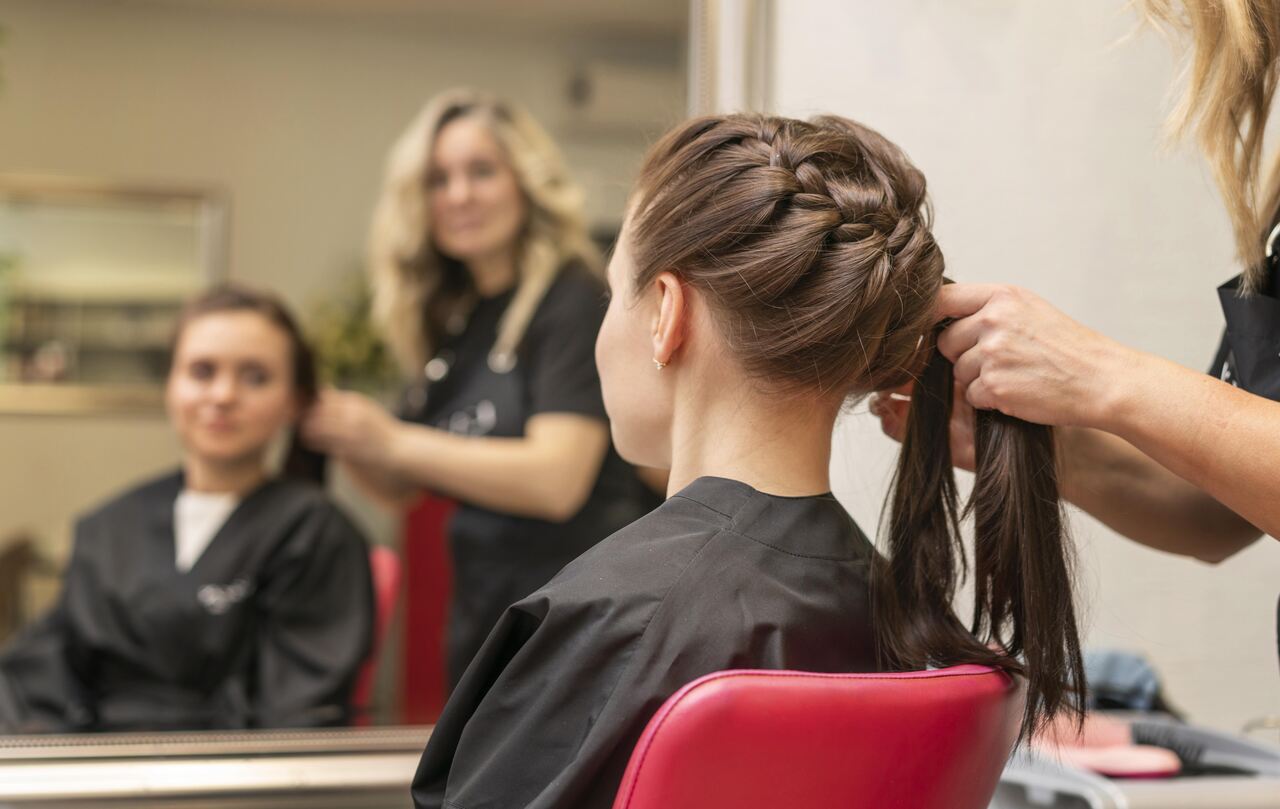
[(812, 243), (299, 463)]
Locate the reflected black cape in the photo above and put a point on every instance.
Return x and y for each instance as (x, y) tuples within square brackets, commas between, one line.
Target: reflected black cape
[(720, 576), (267, 629)]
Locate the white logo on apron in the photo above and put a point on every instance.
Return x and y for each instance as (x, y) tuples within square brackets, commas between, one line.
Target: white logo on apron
[(218, 598)]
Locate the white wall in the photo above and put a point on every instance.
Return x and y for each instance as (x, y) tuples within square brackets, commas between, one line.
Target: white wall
[(1038, 125)]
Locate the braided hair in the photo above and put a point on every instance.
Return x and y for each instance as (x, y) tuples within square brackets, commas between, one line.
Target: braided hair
[(812, 242)]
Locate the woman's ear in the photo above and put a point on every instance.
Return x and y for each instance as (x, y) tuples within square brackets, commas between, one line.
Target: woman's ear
[(670, 319)]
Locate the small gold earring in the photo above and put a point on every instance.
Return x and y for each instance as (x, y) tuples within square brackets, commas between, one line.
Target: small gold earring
[(659, 364)]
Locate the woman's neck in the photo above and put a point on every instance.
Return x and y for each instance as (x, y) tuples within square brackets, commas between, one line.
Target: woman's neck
[(493, 274), (775, 445), (214, 477)]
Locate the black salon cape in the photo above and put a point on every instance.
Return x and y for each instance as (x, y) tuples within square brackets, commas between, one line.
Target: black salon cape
[(720, 576), (267, 629), (499, 558), (1249, 354)]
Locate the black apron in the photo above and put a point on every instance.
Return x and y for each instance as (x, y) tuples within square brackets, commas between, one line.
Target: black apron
[(1249, 355), (467, 389)]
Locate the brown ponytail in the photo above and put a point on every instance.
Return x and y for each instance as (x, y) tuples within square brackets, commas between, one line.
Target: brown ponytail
[(812, 242), (1023, 615)]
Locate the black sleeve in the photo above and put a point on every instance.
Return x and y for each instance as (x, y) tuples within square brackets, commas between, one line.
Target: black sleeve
[(560, 348), (316, 624), (41, 688), (36, 681)]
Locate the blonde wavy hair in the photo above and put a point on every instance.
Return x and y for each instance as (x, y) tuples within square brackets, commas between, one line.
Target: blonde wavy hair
[(1231, 79), (417, 291)]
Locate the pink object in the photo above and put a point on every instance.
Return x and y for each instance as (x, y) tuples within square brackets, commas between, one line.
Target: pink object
[(1104, 744), (746, 739), (384, 568), (1128, 761), (1097, 730)]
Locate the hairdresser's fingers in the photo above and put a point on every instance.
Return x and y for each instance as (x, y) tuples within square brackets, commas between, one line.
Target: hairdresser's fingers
[(345, 408), (961, 336), (961, 300), (315, 433), (324, 420), (969, 366), (979, 396), (319, 421), (327, 412), (329, 425), (329, 397)]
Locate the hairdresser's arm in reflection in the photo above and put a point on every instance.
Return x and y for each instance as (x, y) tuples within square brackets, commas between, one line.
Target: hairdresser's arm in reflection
[(1169, 457), (547, 473), (219, 595)]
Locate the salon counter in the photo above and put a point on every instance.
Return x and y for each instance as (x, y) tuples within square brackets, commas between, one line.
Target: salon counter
[(355, 768)]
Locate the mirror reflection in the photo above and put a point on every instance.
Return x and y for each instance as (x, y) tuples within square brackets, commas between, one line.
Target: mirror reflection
[(237, 240)]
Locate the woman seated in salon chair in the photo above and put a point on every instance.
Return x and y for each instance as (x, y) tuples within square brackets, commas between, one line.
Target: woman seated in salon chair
[(220, 595)]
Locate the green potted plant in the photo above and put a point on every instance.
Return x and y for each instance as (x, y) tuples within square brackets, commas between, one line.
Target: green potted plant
[(349, 351)]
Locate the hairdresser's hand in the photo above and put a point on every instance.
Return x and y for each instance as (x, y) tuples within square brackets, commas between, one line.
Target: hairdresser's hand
[(1015, 353), (892, 406), (351, 427)]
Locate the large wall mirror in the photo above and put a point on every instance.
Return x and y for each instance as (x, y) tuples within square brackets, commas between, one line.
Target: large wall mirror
[(149, 148)]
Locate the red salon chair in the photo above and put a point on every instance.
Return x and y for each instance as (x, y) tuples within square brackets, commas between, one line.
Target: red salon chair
[(778, 739), (385, 570)]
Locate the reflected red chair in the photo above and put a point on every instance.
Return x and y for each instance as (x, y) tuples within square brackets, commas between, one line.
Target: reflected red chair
[(386, 572), (755, 739)]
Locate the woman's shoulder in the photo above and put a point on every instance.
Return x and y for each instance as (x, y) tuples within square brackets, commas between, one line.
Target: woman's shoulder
[(688, 551), (309, 502), (301, 494), (638, 564), (139, 501)]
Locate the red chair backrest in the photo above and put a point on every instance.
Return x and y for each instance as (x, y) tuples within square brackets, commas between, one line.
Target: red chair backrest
[(385, 570), (745, 739)]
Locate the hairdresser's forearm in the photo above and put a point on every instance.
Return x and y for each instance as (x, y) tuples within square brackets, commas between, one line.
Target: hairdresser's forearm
[(1218, 438), (545, 479), (381, 485), (1133, 495)]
